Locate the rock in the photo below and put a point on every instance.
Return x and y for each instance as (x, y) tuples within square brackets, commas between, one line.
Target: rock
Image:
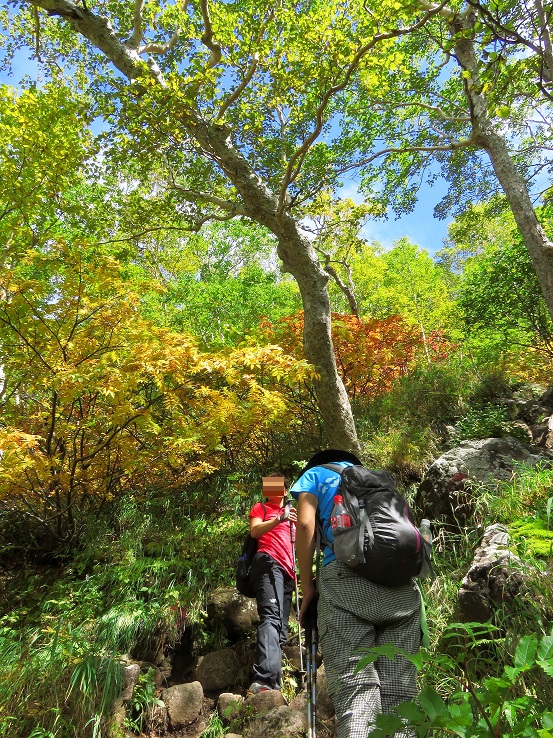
[(284, 722), (546, 397), (263, 702), (445, 494), (229, 705), (218, 670), (131, 672), (236, 616), (492, 580), (292, 654), (325, 707), (184, 704), (115, 727), (542, 433), (530, 411)]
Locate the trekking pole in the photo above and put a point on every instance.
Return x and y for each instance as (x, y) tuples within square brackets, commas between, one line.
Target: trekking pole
[(311, 642), (293, 540)]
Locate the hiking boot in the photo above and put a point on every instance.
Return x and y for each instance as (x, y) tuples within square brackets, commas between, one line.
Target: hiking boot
[(257, 687)]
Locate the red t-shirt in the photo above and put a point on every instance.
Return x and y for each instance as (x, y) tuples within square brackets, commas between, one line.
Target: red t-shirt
[(275, 542)]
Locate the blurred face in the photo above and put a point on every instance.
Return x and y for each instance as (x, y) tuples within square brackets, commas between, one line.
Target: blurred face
[(274, 489)]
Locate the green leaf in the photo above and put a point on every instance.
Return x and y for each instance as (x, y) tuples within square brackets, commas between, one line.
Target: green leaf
[(526, 652), (547, 666), (389, 723), (412, 712), (432, 703), (545, 648), (461, 713)]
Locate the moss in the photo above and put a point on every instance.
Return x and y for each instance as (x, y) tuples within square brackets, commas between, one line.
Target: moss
[(535, 535)]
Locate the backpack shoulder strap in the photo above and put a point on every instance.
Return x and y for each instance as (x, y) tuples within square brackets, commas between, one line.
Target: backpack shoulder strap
[(334, 467)]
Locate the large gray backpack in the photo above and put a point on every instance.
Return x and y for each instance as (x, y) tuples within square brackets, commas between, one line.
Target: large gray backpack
[(383, 544)]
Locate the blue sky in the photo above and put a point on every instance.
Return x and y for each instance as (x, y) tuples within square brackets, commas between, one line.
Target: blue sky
[(421, 227)]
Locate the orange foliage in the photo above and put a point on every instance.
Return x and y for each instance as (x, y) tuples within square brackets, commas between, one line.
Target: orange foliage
[(370, 354)]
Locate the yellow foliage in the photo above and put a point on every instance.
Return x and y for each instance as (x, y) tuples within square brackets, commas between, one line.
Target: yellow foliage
[(104, 402)]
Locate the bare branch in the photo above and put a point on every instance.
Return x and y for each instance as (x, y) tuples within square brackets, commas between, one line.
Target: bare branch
[(155, 48), (435, 109), (207, 38), (240, 89), (461, 144), (438, 9), (348, 291), (136, 37), (193, 196)]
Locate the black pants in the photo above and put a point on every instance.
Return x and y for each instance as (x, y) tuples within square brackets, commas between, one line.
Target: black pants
[(273, 592)]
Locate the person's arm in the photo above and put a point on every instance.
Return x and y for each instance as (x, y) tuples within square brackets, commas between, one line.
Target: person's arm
[(258, 527), (305, 547)]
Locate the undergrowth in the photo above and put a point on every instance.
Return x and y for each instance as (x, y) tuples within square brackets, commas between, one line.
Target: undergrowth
[(65, 632), (142, 573)]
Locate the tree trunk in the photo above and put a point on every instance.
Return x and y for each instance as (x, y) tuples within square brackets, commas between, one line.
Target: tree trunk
[(539, 247), (259, 204), (299, 258)]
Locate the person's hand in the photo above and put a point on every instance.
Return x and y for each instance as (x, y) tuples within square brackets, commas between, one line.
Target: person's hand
[(287, 513)]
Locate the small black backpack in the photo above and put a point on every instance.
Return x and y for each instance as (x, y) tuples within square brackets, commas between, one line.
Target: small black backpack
[(244, 564), (383, 544)]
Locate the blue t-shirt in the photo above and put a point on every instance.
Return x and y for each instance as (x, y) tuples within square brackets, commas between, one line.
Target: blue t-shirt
[(323, 483)]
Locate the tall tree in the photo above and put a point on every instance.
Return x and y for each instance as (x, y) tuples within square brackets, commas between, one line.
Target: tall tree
[(459, 101), (227, 104)]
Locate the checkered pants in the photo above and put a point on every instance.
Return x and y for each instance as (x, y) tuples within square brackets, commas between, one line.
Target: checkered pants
[(356, 614)]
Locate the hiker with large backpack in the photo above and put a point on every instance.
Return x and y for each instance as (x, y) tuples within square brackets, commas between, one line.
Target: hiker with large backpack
[(272, 579), (355, 612)]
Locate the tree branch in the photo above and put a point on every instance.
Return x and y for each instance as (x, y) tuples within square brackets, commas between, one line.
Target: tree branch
[(240, 89), (207, 37), (461, 144), (136, 37), (156, 48), (296, 160)]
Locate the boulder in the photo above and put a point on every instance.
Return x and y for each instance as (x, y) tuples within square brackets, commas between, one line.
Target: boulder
[(284, 722), (494, 578), (130, 674), (184, 704), (218, 670), (229, 706), (445, 494), (228, 611), (542, 433), (530, 411), (263, 702)]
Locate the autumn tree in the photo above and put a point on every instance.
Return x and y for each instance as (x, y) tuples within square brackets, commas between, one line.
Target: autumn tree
[(97, 401), (371, 353), (228, 110)]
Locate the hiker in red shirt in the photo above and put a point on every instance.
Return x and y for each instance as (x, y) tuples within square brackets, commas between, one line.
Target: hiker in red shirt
[(273, 575)]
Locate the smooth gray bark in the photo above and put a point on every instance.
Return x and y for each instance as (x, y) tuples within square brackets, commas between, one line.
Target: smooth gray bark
[(485, 135)]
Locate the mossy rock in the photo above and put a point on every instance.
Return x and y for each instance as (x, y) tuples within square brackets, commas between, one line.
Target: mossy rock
[(537, 537)]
